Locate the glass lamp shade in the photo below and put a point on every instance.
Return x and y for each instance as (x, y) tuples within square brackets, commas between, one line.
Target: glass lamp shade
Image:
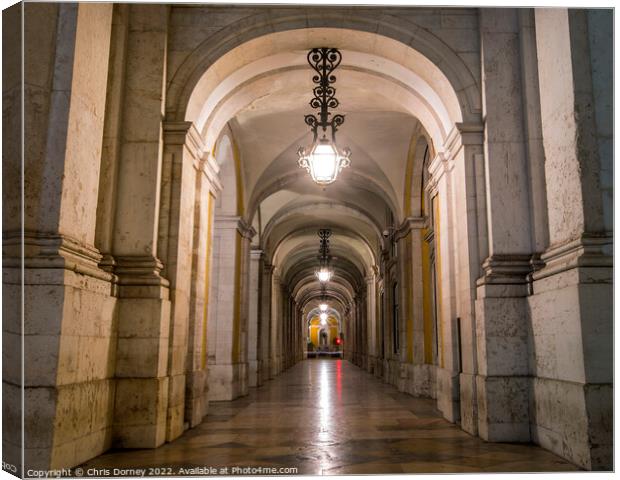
[(324, 274), (323, 307), (324, 162), (323, 317)]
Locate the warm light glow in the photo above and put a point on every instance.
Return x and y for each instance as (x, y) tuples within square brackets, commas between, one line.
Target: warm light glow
[(323, 317), (324, 162), (323, 307), (324, 274)]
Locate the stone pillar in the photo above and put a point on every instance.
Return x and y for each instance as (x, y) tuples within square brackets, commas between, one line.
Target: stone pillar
[(447, 373), (470, 244), (501, 317), (418, 377), (244, 308), (180, 166), (371, 339), (254, 327), (275, 336), (196, 371), (14, 105), (348, 341), (144, 306), (226, 334), (302, 332), (265, 315), (69, 304), (572, 347)]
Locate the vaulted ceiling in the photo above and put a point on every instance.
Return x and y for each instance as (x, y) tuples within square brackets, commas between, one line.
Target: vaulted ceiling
[(260, 91)]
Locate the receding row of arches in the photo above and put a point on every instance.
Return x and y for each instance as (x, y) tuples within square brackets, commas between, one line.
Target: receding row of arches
[(193, 246)]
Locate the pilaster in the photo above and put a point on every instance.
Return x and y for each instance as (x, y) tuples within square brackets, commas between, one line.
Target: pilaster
[(142, 393), (228, 334)]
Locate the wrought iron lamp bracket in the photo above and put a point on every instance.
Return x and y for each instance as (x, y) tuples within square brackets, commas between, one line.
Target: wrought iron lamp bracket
[(324, 61), (324, 257)]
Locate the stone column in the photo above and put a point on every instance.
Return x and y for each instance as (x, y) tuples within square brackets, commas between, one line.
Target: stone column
[(572, 347), (265, 315), (244, 306), (410, 239), (196, 384), (470, 245), (371, 339), (144, 306), (69, 304), (226, 333), (254, 327), (447, 373), (302, 333), (14, 106), (501, 316), (275, 336), (181, 163)]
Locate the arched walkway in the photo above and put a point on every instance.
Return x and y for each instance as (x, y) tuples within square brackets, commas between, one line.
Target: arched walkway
[(168, 250)]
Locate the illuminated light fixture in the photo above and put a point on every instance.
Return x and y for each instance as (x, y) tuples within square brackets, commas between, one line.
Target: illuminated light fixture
[(324, 273), (323, 307), (323, 317), (323, 159)]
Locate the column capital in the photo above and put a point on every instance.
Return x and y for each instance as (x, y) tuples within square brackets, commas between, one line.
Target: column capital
[(256, 253), (53, 250), (437, 167), (139, 276), (184, 133), (408, 224), (505, 275), (589, 250), (235, 222), (464, 134)]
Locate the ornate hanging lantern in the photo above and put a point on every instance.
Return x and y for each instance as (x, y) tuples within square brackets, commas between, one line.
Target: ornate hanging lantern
[(323, 159), (324, 272), (323, 306)]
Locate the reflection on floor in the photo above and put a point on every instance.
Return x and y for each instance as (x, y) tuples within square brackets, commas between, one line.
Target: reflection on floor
[(329, 417)]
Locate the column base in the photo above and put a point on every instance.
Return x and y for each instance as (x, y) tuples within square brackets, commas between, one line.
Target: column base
[(503, 408), (176, 407), (196, 397), (226, 381), (468, 403), (448, 394), (420, 380), (574, 421), (140, 412), (254, 372)]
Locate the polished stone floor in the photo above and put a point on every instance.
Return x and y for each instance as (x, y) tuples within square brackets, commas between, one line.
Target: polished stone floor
[(329, 417)]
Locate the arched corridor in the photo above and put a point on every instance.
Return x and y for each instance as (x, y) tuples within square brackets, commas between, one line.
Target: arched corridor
[(171, 296), (328, 417)]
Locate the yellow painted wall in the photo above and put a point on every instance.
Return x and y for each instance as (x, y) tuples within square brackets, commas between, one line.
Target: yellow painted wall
[(314, 335), (237, 305), (409, 296), (438, 277), (205, 314), (427, 299), (315, 328)]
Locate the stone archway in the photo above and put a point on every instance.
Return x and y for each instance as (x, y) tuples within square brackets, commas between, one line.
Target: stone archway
[(224, 80)]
